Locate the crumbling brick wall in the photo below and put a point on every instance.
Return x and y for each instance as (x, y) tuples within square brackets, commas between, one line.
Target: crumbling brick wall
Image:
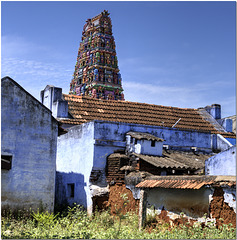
[(221, 210), (116, 178), (113, 173), (116, 200)]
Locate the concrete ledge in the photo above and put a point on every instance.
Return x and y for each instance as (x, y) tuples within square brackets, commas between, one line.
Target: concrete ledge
[(102, 142)]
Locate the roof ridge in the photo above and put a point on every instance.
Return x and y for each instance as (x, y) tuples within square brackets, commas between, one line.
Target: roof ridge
[(86, 108), (126, 102), (29, 94)]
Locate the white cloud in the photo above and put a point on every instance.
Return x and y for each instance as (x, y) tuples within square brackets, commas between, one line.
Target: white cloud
[(15, 46), (27, 63), (35, 75), (197, 96)]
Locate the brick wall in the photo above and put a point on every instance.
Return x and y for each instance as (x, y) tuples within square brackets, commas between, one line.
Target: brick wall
[(114, 163)]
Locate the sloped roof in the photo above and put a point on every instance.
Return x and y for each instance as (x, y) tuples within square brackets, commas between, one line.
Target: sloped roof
[(7, 78), (84, 109), (176, 159), (187, 182), (147, 136)]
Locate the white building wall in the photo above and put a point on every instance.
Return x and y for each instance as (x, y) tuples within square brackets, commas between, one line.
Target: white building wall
[(74, 164), (223, 163), (222, 143), (147, 149)]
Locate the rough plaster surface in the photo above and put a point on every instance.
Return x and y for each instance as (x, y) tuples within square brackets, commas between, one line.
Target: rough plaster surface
[(29, 134), (223, 163), (230, 197), (74, 164), (117, 132), (193, 203)]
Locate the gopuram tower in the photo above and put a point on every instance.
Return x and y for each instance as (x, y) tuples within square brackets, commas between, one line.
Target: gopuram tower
[(96, 72)]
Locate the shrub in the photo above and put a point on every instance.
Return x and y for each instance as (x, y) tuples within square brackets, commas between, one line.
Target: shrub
[(76, 224), (44, 218)]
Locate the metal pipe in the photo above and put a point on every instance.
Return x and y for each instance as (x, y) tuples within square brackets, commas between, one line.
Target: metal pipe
[(176, 123)]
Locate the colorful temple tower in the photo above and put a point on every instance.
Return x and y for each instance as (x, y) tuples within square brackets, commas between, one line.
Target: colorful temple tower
[(96, 71)]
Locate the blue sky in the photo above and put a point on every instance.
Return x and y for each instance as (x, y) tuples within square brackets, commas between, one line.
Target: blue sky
[(179, 54)]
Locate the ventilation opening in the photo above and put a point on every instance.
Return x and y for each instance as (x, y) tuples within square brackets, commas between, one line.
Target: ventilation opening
[(70, 190), (6, 161), (123, 162), (100, 203), (153, 143)]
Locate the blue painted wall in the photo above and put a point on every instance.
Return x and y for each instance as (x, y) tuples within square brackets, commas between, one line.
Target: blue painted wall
[(115, 132), (87, 146), (231, 140), (223, 163), (63, 182), (29, 135), (75, 151)]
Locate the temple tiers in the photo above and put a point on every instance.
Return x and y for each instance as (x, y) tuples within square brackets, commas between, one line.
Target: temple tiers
[(96, 72)]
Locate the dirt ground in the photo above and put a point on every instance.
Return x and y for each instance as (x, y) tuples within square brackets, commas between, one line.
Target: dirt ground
[(178, 221), (116, 201)]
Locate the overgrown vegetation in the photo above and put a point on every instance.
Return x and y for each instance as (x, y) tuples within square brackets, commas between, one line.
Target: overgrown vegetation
[(75, 223)]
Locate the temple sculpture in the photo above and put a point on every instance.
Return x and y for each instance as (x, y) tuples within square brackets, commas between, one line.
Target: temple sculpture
[(96, 72)]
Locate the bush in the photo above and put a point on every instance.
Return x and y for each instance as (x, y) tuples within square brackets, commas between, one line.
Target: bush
[(44, 218), (76, 224)]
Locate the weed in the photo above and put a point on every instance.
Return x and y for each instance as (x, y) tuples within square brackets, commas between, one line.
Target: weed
[(76, 224), (44, 218)]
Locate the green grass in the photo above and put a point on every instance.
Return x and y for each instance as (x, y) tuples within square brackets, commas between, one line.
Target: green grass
[(76, 224)]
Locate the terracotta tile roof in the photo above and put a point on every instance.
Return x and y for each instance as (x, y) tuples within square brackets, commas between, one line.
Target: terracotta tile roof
[(191, 184), (176, 159), (84, 109), (186, 182), (147, 136)]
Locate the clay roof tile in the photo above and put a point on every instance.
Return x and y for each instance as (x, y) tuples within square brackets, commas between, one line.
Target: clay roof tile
[(139, 113)]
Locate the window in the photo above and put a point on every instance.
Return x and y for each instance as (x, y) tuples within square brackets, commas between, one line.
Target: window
[(6, 162), (135, 141), (70, 190), (123, 162), (153, 143), (163, 173)]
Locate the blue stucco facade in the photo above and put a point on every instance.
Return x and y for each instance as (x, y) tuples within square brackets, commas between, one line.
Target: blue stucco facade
[(116, 132), (223, 163), (29, 136)]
